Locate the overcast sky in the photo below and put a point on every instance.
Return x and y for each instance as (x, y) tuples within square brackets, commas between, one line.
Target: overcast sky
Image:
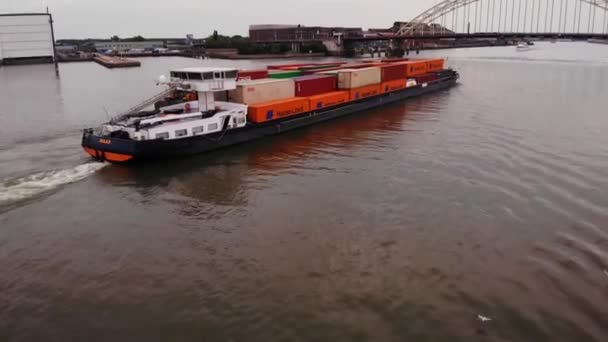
[(176, 18)]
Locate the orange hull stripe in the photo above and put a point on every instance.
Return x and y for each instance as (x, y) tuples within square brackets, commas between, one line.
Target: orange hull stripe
[(90, 151), (117, 157), (109, 156)]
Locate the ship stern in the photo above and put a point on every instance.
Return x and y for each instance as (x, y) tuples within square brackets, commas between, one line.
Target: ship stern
[(114, 150)]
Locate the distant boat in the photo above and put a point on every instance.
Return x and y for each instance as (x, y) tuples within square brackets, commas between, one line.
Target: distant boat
[(522, 46)]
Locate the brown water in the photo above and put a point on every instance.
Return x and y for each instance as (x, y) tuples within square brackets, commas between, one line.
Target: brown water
[(400, 224)]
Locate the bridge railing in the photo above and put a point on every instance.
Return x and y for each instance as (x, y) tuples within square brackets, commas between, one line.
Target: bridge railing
[(447, 17)]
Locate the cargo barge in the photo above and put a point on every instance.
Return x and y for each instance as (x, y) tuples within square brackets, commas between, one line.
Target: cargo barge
[(112, 62), (189, 119)]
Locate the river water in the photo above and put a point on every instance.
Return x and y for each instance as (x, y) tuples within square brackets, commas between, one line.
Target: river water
[(399, 224)]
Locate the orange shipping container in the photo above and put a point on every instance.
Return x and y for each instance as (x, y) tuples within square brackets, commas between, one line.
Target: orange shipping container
[(363, 92), (328, 99), (273, 110), (389, 86), (415, 68), (435, 64)]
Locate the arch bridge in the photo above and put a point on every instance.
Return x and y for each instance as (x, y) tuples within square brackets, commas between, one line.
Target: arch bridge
[(575, 19)]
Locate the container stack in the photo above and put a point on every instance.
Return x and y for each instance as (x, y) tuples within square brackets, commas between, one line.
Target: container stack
[(264, 90), (280, 74), (360, 83), (252, 75), (287, 90)]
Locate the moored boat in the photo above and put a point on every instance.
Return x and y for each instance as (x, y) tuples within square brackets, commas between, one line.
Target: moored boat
[(192, 117), (522, 46)]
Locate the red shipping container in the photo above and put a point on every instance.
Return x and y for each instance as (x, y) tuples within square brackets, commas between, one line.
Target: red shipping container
[(391, 72), (359, 65), (311, 85), (394, 60), (252, 74), (315, 71), (281, 66)]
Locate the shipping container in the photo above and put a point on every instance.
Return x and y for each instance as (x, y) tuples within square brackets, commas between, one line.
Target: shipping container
[(315, 84), (273, 110), (252, 74), (435, 64), (391, 72), (291, 68), (329, 71), (280, 66), (361, 65), (320, 66), (278, 74), (363, 92), (329, 99), (394, 60), (318, 71), (414, 68), (356, 78), (302, 65), (393, 85), (250, 92)]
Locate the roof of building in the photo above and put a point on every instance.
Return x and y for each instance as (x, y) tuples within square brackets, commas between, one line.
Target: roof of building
[(21, 14), (270, 26)]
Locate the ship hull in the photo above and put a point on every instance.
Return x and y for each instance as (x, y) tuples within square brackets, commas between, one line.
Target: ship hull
[(123, 150)]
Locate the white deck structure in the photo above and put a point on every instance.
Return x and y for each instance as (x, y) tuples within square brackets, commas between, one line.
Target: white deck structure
[(194, 117)]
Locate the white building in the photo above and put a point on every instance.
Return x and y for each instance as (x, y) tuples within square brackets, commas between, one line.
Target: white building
[(125, 46), (26, 36)]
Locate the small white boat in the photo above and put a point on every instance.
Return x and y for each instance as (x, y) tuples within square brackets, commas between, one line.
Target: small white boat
[(522, 46)]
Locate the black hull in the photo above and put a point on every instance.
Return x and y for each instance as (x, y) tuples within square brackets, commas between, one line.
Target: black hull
[(163, 149)]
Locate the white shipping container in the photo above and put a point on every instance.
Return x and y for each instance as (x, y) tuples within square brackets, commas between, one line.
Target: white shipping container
[(258, 91), (355, 78)]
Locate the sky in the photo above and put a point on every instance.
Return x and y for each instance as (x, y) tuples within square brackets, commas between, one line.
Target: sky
[(176, 18)]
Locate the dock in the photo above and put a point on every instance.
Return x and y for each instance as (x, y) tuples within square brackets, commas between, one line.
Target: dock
[(115, 62), (598, 41)]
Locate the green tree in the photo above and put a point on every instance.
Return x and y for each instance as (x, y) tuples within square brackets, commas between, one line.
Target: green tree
[(115, 39), (215, 35)]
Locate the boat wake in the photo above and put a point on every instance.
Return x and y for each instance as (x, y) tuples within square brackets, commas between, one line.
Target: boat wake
[(27, 187)]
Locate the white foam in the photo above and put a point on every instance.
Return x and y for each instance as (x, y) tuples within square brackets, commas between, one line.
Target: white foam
[(32, 185)]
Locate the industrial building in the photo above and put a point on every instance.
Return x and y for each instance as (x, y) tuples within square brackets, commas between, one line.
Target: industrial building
[(298, 33), (126, 45), (26, 37)]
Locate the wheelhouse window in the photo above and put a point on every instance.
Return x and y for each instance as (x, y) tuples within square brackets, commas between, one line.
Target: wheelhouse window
[(231, 74), (181, 133), (208, 76), (212, 126), (180, 75), (198, 130), (195, 76), (164, 135)]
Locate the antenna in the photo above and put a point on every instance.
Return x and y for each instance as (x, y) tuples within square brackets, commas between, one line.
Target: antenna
[(107, 114)]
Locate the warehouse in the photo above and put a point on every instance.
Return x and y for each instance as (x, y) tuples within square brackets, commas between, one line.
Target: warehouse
[(26, 38), (298, 33), (126, 45)]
